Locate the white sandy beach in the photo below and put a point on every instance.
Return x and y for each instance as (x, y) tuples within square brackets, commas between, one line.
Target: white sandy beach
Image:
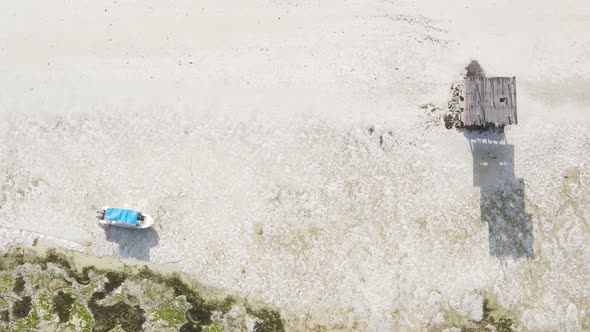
[(282, 149)]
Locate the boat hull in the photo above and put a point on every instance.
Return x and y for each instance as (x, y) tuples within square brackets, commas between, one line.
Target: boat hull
[(147, 222)]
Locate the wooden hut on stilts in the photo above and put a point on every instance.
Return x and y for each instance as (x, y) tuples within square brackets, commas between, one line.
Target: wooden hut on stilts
[(483, 102)]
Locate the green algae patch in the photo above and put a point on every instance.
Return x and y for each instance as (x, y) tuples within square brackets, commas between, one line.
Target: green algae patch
[(80, 318), (118, 329), (40, 279), (45, 306), (117, 298), (54, 289), (6, 282), (87, 290), (172, 312), (215, 327)]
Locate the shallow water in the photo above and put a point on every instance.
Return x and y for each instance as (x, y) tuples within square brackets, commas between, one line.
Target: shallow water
[(287, 160), (311, 215)]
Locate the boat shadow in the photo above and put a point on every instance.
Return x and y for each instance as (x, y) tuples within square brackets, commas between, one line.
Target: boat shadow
[(133, 243), (502, 195)]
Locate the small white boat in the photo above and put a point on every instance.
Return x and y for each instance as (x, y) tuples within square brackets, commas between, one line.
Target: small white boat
[(127, 218)]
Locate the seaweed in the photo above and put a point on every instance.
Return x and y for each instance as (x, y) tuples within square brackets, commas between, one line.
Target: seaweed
[(62, 304), (270, 320), (499, 322), (19, 284), (22, 307), (502, 323), (172, 312), (106, 318), (115, 280), (4, 315), (81, 306), (60, 260), (189, 327)]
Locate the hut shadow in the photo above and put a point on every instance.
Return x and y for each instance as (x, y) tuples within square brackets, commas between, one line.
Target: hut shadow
[(502, 195), (133, 243)]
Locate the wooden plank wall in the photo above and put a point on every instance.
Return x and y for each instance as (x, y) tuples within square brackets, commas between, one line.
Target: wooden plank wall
[(490, 100)]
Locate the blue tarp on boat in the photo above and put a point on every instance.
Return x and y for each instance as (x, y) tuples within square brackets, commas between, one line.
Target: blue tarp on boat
[(122, 215)]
